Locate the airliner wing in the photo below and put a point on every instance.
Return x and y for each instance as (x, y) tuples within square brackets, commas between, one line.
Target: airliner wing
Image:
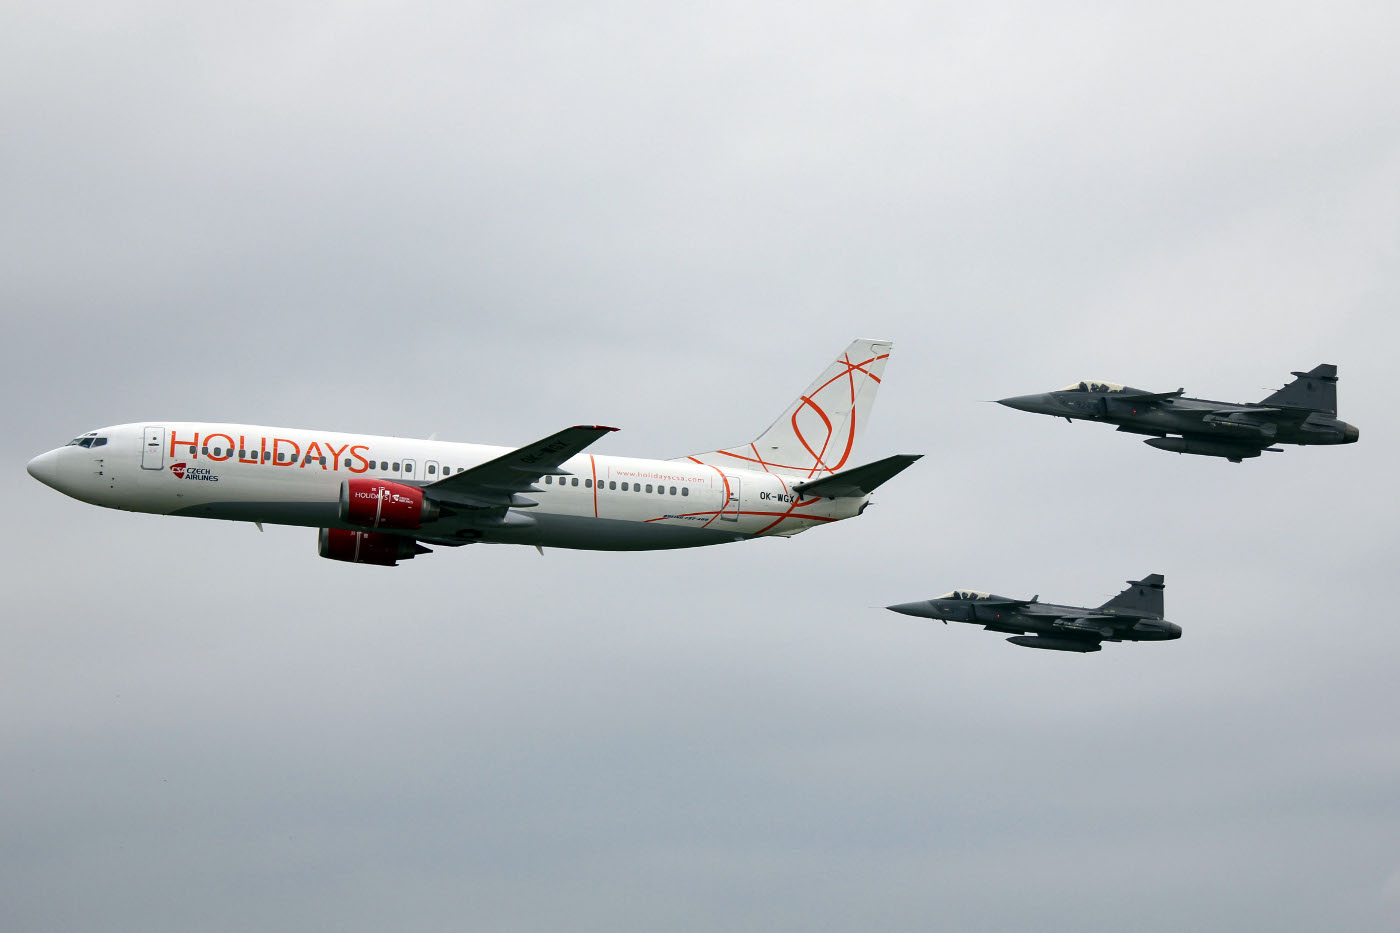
[(497, 483)]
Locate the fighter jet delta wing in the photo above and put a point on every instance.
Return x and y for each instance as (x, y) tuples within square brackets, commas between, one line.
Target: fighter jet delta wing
[(495, 486)]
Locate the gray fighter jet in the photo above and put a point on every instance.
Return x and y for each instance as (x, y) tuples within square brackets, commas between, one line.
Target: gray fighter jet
[(1302, 412), (1133, 615)]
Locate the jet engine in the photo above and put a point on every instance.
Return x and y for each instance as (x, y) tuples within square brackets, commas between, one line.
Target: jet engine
[(377, 503), (367, 547)]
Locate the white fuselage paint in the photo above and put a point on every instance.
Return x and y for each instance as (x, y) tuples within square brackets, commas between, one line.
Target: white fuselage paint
[(232, 472)]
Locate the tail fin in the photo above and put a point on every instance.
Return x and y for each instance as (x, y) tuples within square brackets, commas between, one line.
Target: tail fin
[(1315, 390), (817, 433), (1143, 597)]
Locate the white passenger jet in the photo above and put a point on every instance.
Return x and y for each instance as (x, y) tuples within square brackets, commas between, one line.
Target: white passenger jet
[(378, 500)]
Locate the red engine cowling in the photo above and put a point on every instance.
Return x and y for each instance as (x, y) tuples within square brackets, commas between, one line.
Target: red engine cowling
[(367, 547), (378, 503)]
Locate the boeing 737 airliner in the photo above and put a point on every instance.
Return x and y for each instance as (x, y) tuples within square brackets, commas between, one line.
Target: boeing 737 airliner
[(378, 500)]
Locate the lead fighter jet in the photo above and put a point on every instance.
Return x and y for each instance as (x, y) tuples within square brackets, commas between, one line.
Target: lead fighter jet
[(1302, 412), (1133, 615)]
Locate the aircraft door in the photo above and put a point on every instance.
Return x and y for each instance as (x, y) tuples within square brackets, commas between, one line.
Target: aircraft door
[(731, 508), (153, 448)]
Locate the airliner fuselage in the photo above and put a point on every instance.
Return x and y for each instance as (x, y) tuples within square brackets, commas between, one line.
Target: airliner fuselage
[(379, 499), (286, 476)]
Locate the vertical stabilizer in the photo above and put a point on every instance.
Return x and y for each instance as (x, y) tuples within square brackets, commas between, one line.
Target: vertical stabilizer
[(816, 434), (1316, 390), (1143, 597)]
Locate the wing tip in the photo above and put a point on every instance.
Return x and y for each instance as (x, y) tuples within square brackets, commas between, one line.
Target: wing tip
[(594, 427)]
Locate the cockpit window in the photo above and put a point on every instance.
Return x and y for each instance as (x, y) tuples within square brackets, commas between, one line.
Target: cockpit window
[(965, 594), (1092, 386), (99, 441), (84, 440)]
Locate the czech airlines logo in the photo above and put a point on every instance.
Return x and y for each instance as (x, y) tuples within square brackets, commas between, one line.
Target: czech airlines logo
[(184, 471)]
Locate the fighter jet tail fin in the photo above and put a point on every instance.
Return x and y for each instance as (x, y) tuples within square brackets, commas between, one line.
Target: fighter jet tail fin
[(815, 436), (1144, 597), (1315, 390)]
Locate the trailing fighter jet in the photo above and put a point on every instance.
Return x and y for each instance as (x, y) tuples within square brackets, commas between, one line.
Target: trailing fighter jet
[(1302, 412), (1133, 615)]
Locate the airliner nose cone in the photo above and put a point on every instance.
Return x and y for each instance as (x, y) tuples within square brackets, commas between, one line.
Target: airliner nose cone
[(44, 468)]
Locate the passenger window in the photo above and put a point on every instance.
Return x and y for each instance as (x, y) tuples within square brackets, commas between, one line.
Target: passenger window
[(323, 461), (624, 487), (549, 480), (432, 470), (205, 451), (192, 450), (575, 482), (612, 484), (280, 457), (648, 487), (685, 490), (588, 484), (347, 464), (673, 490)]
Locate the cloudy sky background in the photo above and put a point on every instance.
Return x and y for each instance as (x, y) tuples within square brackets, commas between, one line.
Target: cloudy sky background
[(493, 221)]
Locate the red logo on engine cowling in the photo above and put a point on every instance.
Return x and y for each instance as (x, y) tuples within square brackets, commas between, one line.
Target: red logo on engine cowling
[(376, 503), (178, 469)]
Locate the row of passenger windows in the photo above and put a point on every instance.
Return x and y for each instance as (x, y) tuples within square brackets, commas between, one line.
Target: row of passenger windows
[(432, 468), (288, 458), (612, 484)]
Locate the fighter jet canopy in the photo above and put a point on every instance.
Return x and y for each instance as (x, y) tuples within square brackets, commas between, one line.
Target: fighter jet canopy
[(966, 594), (1091, 385)]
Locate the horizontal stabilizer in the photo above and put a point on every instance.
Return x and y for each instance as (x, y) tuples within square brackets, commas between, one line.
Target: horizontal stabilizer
[(858, 481)]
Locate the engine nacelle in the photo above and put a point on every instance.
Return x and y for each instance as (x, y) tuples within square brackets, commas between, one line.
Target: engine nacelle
[(367, 547), (378, 503)]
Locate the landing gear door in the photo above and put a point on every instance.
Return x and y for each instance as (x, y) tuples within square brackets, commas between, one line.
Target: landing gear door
[(153, 448), (731, 508)]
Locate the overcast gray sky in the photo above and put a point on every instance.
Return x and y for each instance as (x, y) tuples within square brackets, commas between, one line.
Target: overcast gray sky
[(491, 221)]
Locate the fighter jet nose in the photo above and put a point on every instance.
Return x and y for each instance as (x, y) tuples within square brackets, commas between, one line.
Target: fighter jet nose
[(44, 468), (1351, 434), (1037, 404), (920, 608)]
